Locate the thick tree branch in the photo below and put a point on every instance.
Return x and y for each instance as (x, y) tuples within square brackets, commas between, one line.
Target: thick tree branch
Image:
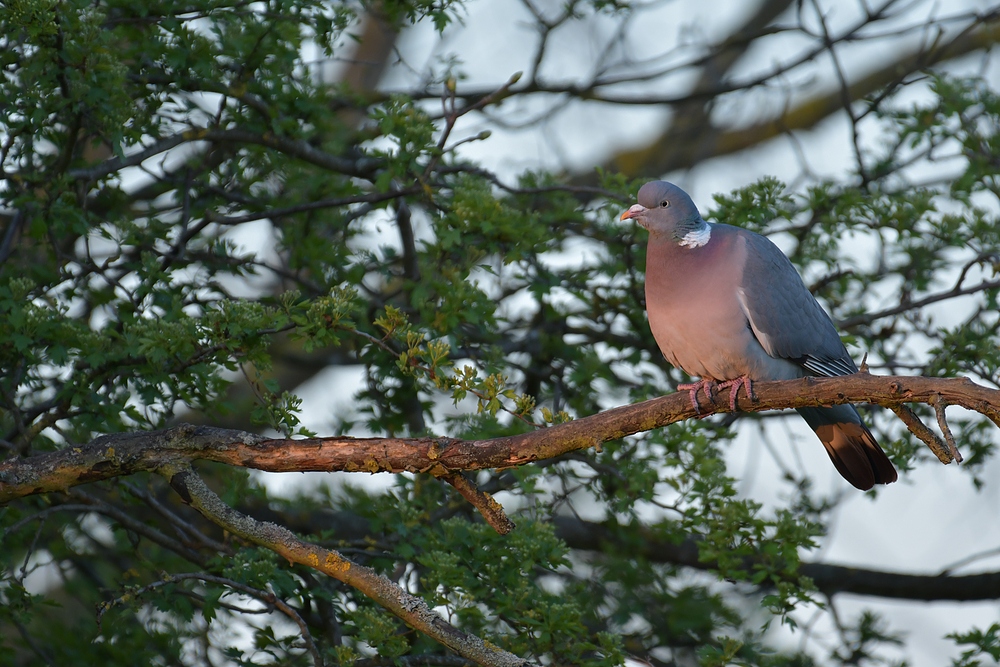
[(828, 578), (691, 130), (666, 153), (608, 536), (123, 454), (413, 610)]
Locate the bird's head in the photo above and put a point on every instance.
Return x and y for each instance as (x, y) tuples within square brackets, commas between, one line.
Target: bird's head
[(665, 209)]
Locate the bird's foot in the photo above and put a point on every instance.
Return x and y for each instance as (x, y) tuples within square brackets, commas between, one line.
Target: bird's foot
[(708, 385), (734, 389)]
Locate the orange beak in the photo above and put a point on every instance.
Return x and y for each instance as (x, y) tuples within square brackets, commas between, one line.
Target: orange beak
[(633, 212)]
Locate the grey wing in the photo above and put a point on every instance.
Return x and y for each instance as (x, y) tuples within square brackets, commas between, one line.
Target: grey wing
[(784, 316)]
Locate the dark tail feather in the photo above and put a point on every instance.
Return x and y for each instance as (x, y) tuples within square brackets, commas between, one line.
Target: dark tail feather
[(851, 446)]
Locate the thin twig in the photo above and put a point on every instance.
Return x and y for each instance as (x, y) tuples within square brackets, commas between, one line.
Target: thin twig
[(43, 514), (274, 213), (296, 148), (488, 507), (949, 438), (130, 523), (905, 306), (452, 114), (917, 428), (184, 529)]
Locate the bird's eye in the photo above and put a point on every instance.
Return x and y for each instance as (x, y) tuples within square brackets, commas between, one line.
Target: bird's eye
[(664, 204)]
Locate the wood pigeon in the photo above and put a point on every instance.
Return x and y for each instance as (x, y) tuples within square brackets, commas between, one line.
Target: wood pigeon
[(726, 305)]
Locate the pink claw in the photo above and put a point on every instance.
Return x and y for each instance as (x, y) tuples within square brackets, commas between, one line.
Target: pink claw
[(734, 386), (708, 385)]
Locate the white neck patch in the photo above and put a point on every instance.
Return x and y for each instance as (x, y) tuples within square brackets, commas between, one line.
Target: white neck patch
[(697, 237)]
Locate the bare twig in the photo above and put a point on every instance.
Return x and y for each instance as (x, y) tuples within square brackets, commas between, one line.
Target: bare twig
[(30, 641), (845, 90), (452, 113), (489, 508), (919, 429), (939, 406)]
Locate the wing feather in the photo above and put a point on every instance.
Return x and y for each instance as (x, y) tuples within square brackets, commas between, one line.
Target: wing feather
[(784, 316)]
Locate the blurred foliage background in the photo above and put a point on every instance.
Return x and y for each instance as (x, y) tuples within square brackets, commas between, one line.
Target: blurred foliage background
[(212, 210)]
